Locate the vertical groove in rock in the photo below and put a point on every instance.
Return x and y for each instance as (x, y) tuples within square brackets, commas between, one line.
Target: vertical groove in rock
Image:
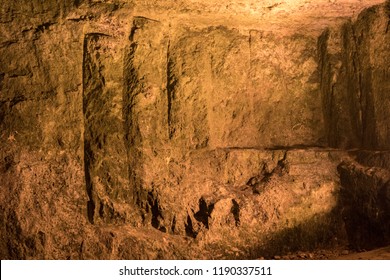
[(251, 74), (354, 81), (170, 87), (353, 90), (360, 36), (104, 145), (130, 82), (89, 73), (327, 88), (203, 121)]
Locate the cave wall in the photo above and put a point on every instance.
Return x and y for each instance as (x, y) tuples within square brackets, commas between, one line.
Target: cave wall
[(193, 91), (354, 63), (355, 81), (123, 123)]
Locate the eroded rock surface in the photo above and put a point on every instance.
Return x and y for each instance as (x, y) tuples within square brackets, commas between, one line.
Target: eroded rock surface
[(354, 63), (192, 129)]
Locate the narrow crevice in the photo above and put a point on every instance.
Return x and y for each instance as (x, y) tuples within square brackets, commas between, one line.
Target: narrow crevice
[(236, 212), (92, 85), (190, 232), (3, 111), (1, 80), (87, 149), (171, 84), (88, 183), (8, 43), (199, 220), (173, 225), (204, 212), (43, 27), (156, 211), (133, 29)]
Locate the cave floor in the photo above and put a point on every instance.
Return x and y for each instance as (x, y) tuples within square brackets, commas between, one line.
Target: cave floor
[(339, 253)]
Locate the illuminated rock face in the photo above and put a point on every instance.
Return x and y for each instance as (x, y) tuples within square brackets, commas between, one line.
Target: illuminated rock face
[(193, 129)]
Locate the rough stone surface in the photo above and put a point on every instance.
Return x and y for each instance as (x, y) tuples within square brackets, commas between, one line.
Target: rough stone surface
[(193, 129), (365, 197), (354, 67)]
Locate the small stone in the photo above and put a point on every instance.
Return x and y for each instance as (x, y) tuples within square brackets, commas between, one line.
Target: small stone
[(345, 252), (302, 255)]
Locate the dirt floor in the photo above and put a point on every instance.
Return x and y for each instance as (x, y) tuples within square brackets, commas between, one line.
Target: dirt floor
[(378, 254), (339, 254)]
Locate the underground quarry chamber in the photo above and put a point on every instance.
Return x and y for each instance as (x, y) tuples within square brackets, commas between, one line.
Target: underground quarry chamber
[(186, 129)]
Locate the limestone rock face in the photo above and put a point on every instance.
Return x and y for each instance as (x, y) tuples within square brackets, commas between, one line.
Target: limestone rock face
[(192, 129), (354, 64)]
